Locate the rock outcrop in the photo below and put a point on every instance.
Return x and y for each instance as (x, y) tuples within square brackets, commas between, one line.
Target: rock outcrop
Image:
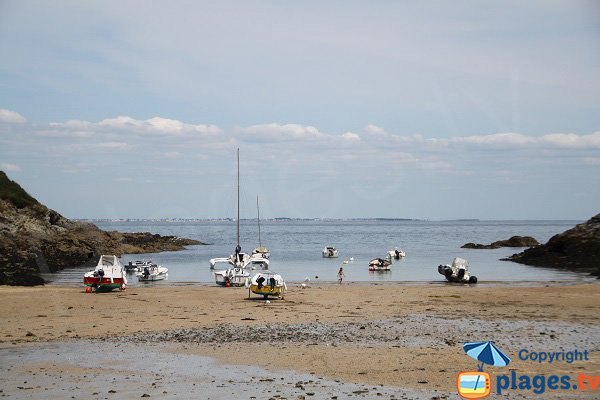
[(575, 249), (515, 241), (34, 239)]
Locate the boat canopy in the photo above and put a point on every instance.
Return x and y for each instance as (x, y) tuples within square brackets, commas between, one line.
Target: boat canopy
[(460, 263)]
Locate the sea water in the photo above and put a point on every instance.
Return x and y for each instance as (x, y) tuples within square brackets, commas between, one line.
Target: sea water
[(296, 247)]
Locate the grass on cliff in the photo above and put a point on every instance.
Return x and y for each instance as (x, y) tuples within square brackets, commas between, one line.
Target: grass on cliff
[(14, 193)]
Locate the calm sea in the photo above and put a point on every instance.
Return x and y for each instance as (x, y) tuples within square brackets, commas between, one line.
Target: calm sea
[(296, 249)]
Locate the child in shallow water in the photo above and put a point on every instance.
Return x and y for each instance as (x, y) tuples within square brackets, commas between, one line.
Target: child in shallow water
[(341, 275)]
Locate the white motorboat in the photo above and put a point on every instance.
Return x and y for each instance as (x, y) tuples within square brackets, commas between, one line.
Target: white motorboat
[(234, 276), (379, 264), (108, 275), (152, 272), (267, 284), (330, 252), (457, 272), (395, 254), (137, 266), (257, 260), (242, 260)]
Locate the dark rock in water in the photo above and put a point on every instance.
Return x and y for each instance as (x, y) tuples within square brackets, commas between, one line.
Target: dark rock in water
[(35, 239), (515, 241), (575, 249)]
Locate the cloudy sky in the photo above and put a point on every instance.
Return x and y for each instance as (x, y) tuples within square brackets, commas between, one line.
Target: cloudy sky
[(429, 109)]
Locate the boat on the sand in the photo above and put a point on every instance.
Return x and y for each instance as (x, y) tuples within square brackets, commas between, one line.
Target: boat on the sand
[(152, 272), (108, 275), (457, 272), (267, 284)]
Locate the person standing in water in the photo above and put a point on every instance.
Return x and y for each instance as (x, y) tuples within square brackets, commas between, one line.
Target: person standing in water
[(341, 275)]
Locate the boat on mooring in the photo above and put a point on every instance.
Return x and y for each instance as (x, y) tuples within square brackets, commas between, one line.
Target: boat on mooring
[(395, 254), (330, 252), (108, 275), (380, 264)]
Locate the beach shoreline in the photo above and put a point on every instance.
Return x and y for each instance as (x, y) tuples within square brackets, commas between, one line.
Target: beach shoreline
[(395, 335)]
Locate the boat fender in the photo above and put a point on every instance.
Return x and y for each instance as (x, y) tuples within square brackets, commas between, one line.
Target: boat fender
[(88, 289)]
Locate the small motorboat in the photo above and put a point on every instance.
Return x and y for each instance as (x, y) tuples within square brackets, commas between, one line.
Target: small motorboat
[(108, 275), (241, 261), (330, 252), (457, 272), (258, 260), (261, 251), (379, 264), (152, 272), (234, 276), (267, 284), (395, 254), (137, 266)]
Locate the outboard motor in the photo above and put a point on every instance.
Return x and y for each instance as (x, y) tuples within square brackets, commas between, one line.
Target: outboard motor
[(260, 282), (146, 272)]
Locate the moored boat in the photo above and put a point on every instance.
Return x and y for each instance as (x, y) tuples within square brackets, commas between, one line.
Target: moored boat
[(108, 275), (395, 254), (379, 264), (330, 252)]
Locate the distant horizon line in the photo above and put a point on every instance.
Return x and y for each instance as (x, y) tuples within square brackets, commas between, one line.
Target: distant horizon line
[(283, 219)]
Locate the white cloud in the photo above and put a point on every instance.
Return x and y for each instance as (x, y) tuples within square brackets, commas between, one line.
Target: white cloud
[(351, 137), (156, 126), (497, 139), (172, 154), (571, 140), (10, 167), (274, 132), (375, 130), (11, 117), (104, 146)]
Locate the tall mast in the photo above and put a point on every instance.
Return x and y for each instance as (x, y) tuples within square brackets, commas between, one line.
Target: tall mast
[(258, 209), (238, 196)]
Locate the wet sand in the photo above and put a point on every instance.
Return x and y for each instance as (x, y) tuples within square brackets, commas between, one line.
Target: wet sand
[(392, 339)]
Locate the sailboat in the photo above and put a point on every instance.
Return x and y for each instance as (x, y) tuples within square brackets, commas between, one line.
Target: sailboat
[(260, 255), (236, 274)]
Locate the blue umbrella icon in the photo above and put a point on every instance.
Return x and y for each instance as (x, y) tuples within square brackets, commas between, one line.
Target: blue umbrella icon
[(487, 353)]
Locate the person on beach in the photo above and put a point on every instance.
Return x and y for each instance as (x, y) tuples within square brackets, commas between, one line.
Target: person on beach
[(341, 275)]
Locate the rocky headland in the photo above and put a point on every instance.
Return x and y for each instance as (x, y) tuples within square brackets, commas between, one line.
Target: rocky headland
[(575, 249), (34, 239), (515, 241)]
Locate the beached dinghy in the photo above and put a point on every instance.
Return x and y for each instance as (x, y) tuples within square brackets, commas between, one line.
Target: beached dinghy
[(379, 264), (267, 284), (107, 276), (330, 252), (235, 276), (395, 254), (152, 272), (457, 272)]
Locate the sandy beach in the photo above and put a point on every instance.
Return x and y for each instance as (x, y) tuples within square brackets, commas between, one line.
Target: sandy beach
[(402, 341)]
